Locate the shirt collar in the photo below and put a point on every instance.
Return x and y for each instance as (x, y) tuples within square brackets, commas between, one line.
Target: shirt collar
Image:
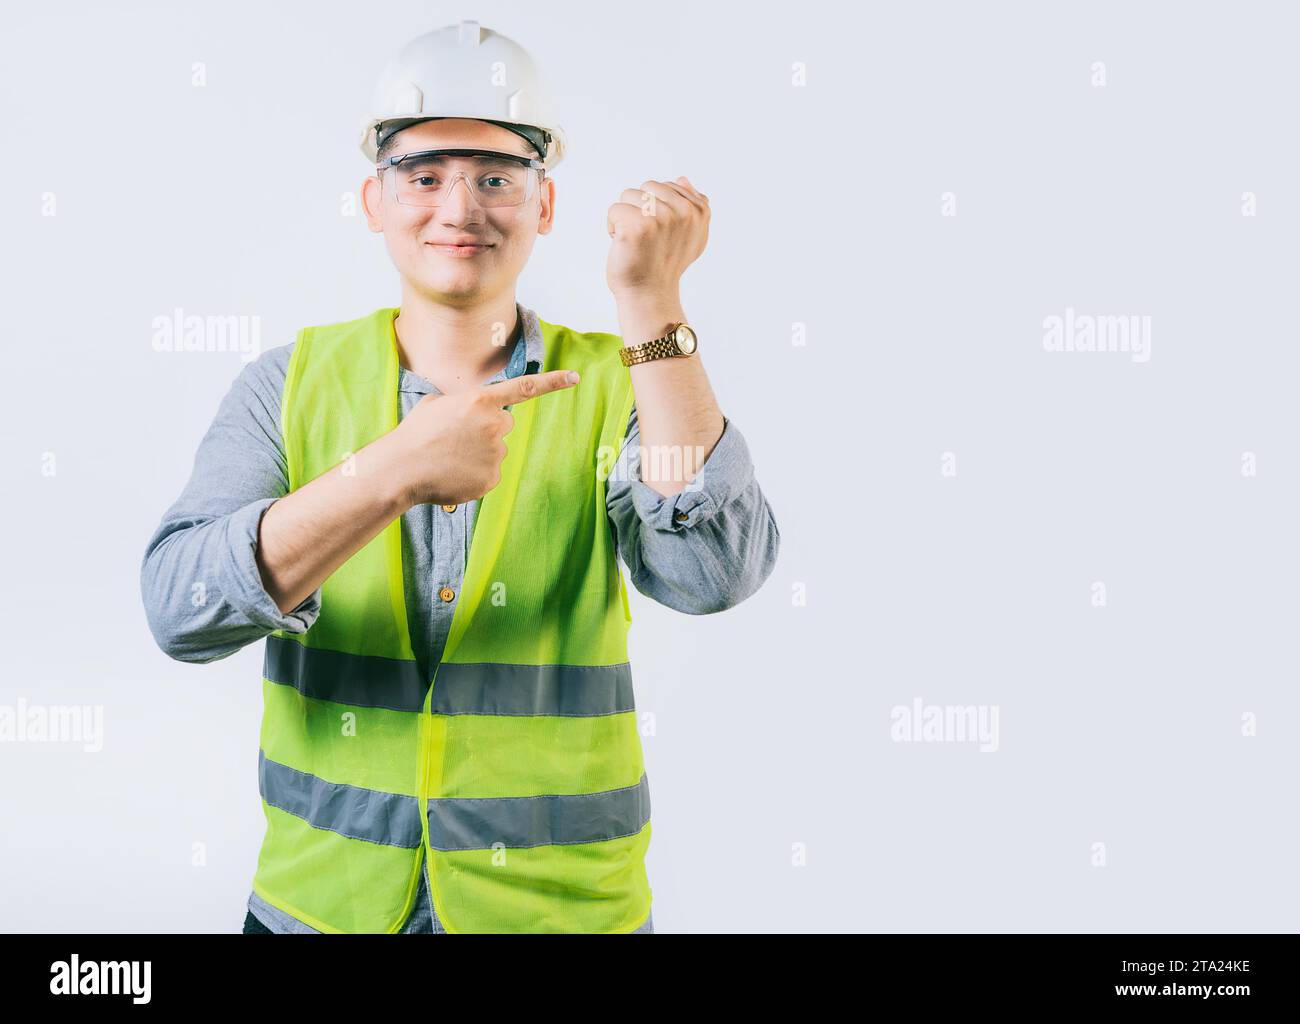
[(534, 348)]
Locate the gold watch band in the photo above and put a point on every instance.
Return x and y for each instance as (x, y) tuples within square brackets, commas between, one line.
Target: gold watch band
[(665, 347), (660, 348)]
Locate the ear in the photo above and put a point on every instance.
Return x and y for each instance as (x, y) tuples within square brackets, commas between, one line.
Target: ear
[(547, 218), (371, 201)]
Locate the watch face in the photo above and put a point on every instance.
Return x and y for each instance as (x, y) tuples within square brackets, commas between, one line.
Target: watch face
[(685, 338)]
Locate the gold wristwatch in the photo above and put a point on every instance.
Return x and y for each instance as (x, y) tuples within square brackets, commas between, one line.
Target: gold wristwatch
[(679, 341)]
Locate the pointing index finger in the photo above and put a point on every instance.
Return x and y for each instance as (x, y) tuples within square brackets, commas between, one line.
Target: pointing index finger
[(529, 385)]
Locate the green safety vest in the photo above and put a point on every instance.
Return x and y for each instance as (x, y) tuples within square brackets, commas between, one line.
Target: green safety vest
[(517, 770)]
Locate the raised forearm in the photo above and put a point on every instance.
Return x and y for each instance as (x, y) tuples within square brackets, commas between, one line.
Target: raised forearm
[(679, 418), (657, 230), (306, 535)]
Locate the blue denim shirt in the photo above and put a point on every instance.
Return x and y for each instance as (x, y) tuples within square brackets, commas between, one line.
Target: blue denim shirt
[(700, 551)]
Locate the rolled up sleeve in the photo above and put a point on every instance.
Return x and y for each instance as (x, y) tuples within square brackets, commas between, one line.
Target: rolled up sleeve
[(202, 589), (251, 596), (702, 550)]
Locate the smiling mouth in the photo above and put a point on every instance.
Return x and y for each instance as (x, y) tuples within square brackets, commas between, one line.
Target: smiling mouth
[(460, 250)]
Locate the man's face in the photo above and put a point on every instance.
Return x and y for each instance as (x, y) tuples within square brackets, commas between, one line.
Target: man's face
[(413, 232)]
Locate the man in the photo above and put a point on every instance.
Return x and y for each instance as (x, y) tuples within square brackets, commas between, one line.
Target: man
[(449, 740)]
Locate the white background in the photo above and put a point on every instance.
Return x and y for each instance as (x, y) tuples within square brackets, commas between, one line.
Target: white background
[(1120, 725)]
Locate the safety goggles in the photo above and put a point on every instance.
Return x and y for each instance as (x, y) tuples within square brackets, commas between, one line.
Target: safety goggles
[(426, 178)]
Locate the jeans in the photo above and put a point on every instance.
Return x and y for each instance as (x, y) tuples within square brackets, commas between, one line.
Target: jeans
[(252, 926)]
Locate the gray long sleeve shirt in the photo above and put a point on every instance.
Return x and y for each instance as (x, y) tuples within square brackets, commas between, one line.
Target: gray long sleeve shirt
[(700, 551)]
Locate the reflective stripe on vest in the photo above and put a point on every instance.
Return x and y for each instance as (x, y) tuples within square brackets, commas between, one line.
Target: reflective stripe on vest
[(455, 824), (389, 819), (517, 771), (524, 821), (484, 689)]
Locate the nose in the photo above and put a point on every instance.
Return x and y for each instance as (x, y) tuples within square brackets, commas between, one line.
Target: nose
[(459, 204)]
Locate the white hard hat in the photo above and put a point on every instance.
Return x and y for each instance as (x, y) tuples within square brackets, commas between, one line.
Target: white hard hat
[(467, 71)]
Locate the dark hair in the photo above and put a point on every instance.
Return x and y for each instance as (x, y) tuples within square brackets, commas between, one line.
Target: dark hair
[(386, 148)]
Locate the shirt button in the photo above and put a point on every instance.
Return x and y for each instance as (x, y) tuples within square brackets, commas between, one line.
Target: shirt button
[(446, 593), (449, 508), (681, 517)]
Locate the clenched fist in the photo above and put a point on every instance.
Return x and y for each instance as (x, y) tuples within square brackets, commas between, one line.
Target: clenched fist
[(449, 448), (657, 231)]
